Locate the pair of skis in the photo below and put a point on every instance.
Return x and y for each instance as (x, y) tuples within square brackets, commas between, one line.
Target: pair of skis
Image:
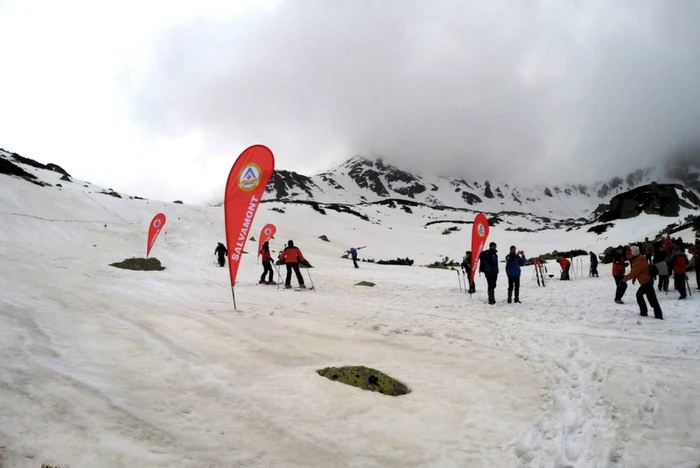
[(539, 272)]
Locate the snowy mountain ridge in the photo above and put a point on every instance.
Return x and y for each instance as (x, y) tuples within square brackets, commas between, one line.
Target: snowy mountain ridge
[(363, 180)]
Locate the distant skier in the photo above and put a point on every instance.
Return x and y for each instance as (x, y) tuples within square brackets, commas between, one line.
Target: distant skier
[(467, 270), (292, 256), (222, 253), (267, 263), (642, 272), (489, 261), (514, 260), (353, 255), (594, 265), (565, 267)]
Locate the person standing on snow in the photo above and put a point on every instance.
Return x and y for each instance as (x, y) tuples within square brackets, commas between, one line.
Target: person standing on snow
[(618, 272), (514, 261), (353, 255), (694, 250), (594, 265), (467, 270), (648, 249), (642, 272), (292, 256), (221, 252), (565, 267), (489, 262), (267, 263), (659, 262), (678, 263)]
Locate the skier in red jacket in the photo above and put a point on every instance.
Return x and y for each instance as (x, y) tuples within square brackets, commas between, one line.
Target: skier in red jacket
[(267, 263)]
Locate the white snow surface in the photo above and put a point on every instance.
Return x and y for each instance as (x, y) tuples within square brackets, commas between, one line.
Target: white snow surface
[(110, 367)]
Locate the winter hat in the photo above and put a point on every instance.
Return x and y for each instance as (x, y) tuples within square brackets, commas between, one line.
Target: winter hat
[(635, 250), (492, 244), (512, 247), (290, 243)]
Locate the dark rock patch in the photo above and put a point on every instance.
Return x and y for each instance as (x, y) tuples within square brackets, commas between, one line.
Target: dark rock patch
[(365, 283), (140, 264), (365, 378), (324, 238), (656, 199)]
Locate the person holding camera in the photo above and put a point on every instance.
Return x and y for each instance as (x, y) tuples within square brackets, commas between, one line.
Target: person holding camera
[(514, 261)]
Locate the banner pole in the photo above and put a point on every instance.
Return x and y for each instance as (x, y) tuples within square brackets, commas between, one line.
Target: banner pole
[(233, 293)]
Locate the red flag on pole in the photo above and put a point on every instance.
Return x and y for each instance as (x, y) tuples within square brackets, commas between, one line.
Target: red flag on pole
[(245, 188), (480, 231), (157, 224), (266, 234)]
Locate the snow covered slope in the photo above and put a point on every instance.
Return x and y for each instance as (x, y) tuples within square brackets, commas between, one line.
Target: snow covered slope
[(361, 180), (108, 367)]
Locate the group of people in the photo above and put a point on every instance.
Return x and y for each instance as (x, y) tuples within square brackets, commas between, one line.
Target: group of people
[(651, 259), (488, 265), (291, 256), (647, 260)]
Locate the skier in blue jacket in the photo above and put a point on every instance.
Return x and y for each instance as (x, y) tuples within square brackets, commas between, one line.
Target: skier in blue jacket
[(489, 265), (514, 261)]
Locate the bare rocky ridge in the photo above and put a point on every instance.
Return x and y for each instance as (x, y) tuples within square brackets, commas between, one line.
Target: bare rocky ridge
[(361, 180)]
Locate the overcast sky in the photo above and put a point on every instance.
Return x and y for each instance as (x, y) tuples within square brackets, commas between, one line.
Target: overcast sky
[(158, 98)]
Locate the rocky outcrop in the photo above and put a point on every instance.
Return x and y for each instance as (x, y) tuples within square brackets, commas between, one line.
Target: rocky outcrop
[(654, 199)]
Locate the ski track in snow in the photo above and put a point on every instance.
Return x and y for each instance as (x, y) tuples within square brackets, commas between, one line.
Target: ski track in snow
[(117, 368)]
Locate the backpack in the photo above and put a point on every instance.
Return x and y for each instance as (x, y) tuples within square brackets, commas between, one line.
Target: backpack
[(482, 257)]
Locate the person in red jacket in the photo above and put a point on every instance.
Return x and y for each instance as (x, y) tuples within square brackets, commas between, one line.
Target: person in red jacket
[(565, 267), (618, 273), (677, 263), (267, 264), (695, 251), (292, 256)]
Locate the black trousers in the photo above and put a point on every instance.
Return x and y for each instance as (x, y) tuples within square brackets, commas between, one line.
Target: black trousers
[(222, 260), (354, 262), (663, 283), (491, 280), (679, 283), (594, 270), (697, 275), (295, 267), (619, 289), (647, 289), (267, 268), (513, 287)]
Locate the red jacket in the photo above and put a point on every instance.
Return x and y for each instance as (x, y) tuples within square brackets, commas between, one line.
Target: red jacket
[(679, 263), (564, 262), (292, 255), (266, 257)]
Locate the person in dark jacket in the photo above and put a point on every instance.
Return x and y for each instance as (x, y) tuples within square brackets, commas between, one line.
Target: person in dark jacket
[(490, 269), (514, 261), (660, 262), (648, 249), (267, 264), (353, 255), (292, 256), (695, 252), (594, 265), (221, 252), (467, 270)]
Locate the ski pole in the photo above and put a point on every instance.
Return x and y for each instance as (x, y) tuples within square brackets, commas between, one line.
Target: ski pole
[(687, 283), (308, 272), (459, 280)]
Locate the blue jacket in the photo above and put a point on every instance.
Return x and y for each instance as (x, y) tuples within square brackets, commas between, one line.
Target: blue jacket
[(513, 264), (353, 253), (491, 261)]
